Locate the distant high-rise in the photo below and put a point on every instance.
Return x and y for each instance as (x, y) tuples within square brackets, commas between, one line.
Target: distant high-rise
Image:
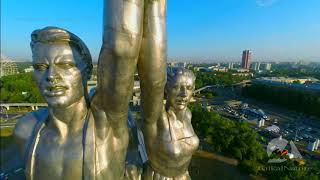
[(230, 65), (255, 66), (246, 58), (268, 66)]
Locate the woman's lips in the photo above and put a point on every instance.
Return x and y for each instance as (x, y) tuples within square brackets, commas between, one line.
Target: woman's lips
[(181, 102)]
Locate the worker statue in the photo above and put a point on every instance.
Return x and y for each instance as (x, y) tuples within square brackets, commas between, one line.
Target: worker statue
[(73, 138), (81, 138), (78, 137)]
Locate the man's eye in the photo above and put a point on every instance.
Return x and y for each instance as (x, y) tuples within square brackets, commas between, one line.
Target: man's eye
[(66, 65), (40, 67)]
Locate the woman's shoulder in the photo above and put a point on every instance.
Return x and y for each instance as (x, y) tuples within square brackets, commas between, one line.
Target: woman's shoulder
[(188, 115)]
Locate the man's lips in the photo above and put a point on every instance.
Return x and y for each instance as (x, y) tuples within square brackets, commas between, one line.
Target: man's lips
[(53, 91)]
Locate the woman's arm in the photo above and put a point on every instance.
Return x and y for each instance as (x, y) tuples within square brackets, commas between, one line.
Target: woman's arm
[(152, 59)]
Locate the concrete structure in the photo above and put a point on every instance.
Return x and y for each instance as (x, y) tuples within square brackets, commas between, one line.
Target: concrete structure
[(29, 69), (34, 106), (246, 58), (313, 145), (311, 84), (273, 128), (177, 64), (260, 123), (266, 66), (289, 80), (7, 66), (230, 65), (219, 69), (255, 66)]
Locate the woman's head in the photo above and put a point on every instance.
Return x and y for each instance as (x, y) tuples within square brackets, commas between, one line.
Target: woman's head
[(179, 88)]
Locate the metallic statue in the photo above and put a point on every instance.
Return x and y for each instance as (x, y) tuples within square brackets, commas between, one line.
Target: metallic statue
[(72, 138), (170, 140), (135, 35), (81, 138)]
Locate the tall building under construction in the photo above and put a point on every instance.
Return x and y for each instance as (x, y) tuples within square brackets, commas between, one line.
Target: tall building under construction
[(246, 58)]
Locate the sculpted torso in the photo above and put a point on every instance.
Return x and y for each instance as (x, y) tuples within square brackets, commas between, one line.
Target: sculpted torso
[(56, 158), (171, 150), (80, 137)]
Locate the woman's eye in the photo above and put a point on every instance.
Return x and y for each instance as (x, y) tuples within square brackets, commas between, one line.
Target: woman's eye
[(66, 65)]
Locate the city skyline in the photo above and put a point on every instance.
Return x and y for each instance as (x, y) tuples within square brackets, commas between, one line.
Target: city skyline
[(275, 30)]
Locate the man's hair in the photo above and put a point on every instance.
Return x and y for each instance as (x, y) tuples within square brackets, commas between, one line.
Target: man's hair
[(174, 72), (52, 35)]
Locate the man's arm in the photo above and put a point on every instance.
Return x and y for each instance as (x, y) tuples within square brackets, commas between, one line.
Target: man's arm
[(122, 34), (152, 60)]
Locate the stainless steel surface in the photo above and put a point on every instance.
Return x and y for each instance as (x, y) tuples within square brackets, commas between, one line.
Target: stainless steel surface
[(72, 138), (170, 139), (78, 137)]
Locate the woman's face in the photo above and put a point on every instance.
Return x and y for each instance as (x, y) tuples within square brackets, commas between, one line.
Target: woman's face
[(179, 92)]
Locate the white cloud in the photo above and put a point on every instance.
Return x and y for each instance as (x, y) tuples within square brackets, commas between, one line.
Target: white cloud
[(265, 3)]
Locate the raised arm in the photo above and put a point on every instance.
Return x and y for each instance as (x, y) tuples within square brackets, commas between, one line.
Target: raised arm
[(152, 60), (122, 33)]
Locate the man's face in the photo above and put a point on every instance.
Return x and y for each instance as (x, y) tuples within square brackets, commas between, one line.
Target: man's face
[(59, 73), (180, 92)]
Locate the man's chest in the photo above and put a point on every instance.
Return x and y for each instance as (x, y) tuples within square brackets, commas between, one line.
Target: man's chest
[(56, 159)]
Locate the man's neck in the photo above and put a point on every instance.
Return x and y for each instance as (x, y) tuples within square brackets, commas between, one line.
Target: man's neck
[(68, 121)]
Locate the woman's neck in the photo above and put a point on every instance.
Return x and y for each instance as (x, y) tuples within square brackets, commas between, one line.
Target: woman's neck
[(179, 113)]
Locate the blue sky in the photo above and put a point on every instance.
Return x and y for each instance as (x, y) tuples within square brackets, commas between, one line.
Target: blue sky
[(197, 29)]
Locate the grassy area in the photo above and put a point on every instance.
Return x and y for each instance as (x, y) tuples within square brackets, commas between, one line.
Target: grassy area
[(7, 131), (6, 137), (5, 141), (209, 166)]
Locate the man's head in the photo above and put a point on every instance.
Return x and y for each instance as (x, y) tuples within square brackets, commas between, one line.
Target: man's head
[(62, 64), (179, 87)]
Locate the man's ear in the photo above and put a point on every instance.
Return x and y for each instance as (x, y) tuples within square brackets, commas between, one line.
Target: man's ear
[(89, 71)]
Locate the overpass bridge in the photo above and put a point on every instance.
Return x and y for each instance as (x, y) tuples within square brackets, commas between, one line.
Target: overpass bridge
[(34, 106), (242, 83)]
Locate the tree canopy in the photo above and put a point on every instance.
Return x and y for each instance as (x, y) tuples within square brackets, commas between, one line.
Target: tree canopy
[(19, 88)]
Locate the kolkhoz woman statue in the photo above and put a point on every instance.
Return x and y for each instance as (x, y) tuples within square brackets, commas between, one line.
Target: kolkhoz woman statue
[(170, 140), (168, 133), (77, 139)]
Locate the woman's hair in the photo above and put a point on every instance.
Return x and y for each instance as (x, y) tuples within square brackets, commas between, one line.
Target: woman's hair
[(174, 72), (55, 35)]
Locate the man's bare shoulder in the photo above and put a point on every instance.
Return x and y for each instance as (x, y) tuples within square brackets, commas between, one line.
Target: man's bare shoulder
[(26, 124)]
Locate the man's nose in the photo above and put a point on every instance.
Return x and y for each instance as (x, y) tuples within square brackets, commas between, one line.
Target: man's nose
[(52, 74)]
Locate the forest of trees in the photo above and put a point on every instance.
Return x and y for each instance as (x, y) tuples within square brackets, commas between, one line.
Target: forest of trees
[(295, 99), (214, 78), (229, 138), (239, 141), (19, 88)]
